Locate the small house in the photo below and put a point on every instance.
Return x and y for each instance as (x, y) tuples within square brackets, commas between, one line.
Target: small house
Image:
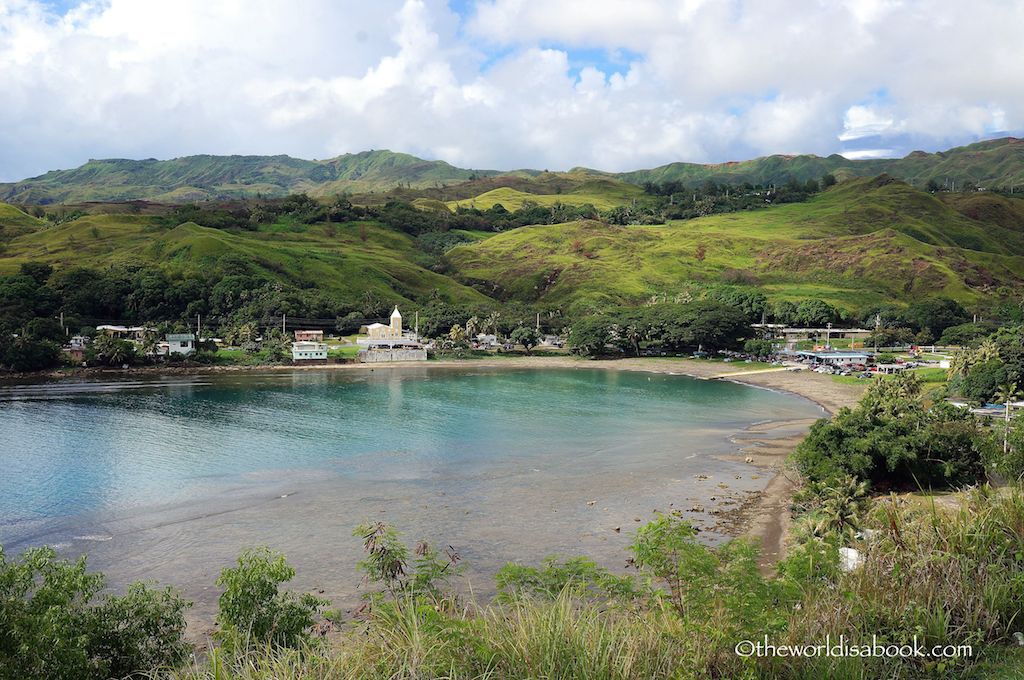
[(183, 344), (309, 336), (307, 350)]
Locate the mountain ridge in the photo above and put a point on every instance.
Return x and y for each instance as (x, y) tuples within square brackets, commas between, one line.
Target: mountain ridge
[(995, 162)]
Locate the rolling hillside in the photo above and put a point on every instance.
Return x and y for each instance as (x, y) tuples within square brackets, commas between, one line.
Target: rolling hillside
[(603, 194), (197, 178), (865, 241), (861, 242), (998, 162), (346, 259)]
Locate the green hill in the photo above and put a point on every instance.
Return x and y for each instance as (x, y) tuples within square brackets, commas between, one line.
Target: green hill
[(865, 241), (998, 162), (347, 259), (603, 194), (204, 177), (14, 222)]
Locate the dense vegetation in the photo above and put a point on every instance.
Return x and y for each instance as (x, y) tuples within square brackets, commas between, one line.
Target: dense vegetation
[(893, 438)]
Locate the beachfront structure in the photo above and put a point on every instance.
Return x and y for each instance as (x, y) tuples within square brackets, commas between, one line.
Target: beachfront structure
[(125, 332), (308, 350), (388, 342), (552, 341), (181, 343), (835, 358), (386, 332), (75, 349), (487, 340), (784, 332), (309, 336)]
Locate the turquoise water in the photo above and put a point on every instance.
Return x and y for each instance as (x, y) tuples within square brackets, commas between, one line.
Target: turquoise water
[(182, 470)]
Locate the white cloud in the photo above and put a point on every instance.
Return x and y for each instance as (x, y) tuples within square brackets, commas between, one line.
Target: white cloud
[(516, 83)]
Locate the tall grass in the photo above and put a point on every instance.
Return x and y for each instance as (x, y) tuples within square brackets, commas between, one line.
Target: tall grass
[(948, 573)]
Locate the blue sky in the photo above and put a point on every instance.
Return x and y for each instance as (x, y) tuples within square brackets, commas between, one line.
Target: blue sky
[(612, 84)]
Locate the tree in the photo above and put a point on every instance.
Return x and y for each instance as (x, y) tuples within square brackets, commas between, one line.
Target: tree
[(983, 380), (56, 625), (1006, 393), (893, 438), (827, 181), (114, 351), (590, 336), (527, 336), (759, 347), (457, 336), (815, 313), (254, 611)]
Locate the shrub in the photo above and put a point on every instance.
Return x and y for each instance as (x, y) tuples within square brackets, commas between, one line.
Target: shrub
[(52, 625), (253, 609), (759, 347), (891, 437), (580, 576), (982, 380), (388, 563)]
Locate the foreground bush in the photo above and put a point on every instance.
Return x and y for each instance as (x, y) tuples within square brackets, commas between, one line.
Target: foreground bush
[(253, 609), (53, 625), (949, 575)]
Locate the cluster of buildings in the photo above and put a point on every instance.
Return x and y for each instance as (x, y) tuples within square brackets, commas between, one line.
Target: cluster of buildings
[(173, 344), (382, 342)]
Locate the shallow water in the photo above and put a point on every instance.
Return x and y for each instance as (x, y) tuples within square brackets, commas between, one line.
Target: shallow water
[(169, 478)]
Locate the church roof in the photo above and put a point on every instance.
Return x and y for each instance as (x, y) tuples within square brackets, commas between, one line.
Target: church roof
[(396, 313)]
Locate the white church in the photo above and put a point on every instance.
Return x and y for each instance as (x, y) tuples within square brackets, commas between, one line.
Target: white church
[(388, 342)]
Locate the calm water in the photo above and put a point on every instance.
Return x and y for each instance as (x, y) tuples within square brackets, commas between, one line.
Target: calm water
[(169, 478)]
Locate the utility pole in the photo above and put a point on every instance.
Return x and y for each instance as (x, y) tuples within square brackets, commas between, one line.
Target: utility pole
[(199, 328), (828, 334), (538, 322), (283, 316)]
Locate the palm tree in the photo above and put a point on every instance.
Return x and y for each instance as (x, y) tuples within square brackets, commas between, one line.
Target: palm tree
[(843, 504), (472, 327), (1007, 393), (960, 363), (491, 323)]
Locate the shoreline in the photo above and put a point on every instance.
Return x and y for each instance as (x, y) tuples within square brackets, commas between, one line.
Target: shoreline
[(808, 385), (763, 517)]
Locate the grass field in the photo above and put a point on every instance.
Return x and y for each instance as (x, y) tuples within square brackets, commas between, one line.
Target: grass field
[(858, 244), (347, 259), (602, 194), (863, 242)]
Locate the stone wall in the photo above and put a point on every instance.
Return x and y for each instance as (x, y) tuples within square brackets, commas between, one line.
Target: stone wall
[(378, 355)]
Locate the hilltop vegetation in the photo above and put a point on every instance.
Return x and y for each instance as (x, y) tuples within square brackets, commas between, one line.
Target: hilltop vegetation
[(864, 241), (991, 164), (197, 178), (852, 247)]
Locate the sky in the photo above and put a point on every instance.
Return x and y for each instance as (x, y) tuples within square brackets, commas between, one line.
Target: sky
[(502, 84)]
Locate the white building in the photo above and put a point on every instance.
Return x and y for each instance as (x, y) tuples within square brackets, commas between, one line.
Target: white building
[(388, 342), (181, 343), (308, 350), (390, 335)]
